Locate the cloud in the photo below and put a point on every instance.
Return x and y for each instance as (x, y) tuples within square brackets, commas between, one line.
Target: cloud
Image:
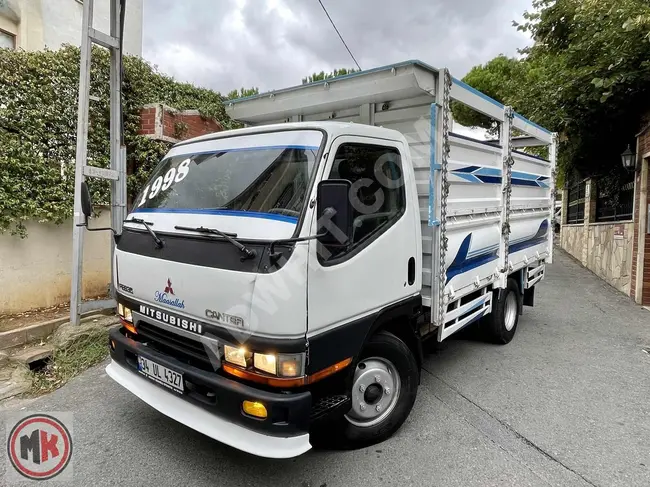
[(273, 44)]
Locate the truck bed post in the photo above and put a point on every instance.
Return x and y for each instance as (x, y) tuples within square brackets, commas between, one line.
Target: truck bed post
[(553, 159), (438, 212), (506, 191)]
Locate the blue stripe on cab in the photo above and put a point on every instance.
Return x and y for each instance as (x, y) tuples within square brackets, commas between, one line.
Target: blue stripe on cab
[(208, 211)]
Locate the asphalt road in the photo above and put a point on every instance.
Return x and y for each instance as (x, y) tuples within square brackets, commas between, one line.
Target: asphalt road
[(566, 403)]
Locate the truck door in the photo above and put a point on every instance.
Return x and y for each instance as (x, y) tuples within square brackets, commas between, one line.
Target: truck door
[(357, 281)]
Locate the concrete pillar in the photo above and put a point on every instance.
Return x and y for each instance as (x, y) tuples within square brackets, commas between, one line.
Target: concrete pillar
[(642, 281), (565, 211), (591, 196)]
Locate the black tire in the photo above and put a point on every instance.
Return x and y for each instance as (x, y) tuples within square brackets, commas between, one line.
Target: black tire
[(495, 323), (387, 346)]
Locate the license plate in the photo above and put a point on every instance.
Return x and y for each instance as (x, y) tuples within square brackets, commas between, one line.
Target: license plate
[(162, 375)]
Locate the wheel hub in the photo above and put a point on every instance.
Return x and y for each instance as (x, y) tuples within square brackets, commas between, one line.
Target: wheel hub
[(373, 394), (510, 312), (375, 391)]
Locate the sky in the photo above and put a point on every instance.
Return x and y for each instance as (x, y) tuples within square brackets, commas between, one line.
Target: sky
[(273, 44)]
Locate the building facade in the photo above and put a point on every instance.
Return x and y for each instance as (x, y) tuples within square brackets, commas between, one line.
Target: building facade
[(33, 25)]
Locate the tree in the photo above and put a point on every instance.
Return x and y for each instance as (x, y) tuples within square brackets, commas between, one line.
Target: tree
[(242, 93), (587, 76), (323, 75), (495, 79)]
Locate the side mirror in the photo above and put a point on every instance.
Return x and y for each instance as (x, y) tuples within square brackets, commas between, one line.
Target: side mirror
[(86, 201), (334, 212)]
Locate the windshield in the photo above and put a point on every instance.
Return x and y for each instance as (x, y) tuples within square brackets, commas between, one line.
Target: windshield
[(263, 175)]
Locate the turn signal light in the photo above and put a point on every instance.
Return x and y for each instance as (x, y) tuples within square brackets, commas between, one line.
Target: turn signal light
[(264, 379), (129, 326), (254, 408), (332, 369)]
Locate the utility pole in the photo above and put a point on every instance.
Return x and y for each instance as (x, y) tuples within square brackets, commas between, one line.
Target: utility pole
[(117, 172)]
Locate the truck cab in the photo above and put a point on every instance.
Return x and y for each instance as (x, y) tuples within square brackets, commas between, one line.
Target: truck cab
[(266, 311)]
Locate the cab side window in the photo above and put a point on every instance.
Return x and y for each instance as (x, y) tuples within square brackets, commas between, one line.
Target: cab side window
[(377, 193)]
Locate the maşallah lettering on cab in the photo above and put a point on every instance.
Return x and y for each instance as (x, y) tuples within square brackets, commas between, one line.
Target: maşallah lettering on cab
[(167, 297)]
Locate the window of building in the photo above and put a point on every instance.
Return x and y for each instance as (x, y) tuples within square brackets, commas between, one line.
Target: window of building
[(377, 195), (7, 40)]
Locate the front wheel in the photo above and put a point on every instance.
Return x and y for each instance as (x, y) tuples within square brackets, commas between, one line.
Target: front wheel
[(384, 388), (501, 324)]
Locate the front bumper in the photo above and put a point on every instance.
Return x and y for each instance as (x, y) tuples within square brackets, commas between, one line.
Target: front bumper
[(284, 434)]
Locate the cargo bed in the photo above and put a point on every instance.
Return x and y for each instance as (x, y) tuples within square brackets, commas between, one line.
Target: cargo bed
[(486, 209)]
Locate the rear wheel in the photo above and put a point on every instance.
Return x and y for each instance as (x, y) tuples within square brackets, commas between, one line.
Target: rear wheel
[(501, 324), (384, 388)]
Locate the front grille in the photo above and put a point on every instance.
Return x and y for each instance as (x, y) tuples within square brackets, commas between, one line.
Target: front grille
[(175, 344)]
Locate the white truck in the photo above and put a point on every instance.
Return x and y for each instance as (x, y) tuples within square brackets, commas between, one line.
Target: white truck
[(279, 280)]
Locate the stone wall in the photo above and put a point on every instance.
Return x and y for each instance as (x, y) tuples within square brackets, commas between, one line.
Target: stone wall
[(609, 253), (606, 249), (572, 239)]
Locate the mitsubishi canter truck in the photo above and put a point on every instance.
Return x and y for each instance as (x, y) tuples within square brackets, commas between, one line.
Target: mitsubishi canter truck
[(278, 280)]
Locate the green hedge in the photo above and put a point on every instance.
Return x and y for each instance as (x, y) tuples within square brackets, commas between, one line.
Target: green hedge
[(38, 120)]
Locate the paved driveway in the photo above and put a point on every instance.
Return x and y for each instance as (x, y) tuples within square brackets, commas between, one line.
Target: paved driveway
[(566, 403)]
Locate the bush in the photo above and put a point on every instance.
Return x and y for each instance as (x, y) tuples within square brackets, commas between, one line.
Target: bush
[(38, 120)]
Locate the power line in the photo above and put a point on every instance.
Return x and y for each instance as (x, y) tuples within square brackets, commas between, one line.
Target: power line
[(340, 36)]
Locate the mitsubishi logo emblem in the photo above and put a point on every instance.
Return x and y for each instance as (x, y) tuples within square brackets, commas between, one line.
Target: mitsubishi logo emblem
[(168, 288)]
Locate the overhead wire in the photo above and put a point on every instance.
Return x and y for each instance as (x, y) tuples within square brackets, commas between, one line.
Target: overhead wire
[(340, 36)]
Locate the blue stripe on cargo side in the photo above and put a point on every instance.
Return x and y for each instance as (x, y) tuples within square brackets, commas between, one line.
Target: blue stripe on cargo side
[(467, 169), (207, 211), (468, 177), (524, 175), (538, 238), (490, 179), (433, 164), (463, 262), (488, 171)]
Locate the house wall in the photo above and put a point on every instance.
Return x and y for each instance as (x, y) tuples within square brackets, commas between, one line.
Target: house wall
[(36, 271), (50, 23)]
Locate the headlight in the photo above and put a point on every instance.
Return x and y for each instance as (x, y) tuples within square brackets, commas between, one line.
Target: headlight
[(237, 356), (125, 313), (290, 365), (282, 365), (265, 363)]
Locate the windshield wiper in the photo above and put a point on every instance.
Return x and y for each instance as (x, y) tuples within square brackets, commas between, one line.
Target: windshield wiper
[(248, 253), (159, 243)]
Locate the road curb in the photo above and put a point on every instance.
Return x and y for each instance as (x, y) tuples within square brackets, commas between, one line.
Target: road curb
[(32, 333)]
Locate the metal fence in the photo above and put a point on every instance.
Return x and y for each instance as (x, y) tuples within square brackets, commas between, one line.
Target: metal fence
[(576, 203), (618, 208)]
